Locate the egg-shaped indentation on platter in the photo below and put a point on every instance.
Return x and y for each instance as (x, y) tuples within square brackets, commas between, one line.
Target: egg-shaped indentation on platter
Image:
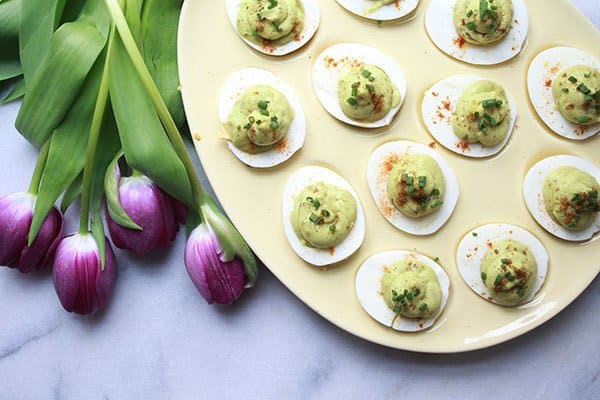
[(378, 79), (438, 110), (326, 219), (370, 294), (441, 28), (438, 204), (544, 70)]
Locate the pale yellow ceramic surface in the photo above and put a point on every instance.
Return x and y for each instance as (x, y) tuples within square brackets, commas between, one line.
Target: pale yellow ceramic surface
[(491, 191)]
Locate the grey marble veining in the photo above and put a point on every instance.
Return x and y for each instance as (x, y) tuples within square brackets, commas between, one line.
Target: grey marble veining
[(159, 340)]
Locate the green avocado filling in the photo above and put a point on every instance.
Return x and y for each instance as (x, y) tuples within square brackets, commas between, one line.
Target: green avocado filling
[(576, 91), (258, 120), (571, 198), (508, 271), (483, 22), (323, 215), (416, 185), (379, 4), (270, 22), (411, 289), (482, 114), (366, 93)]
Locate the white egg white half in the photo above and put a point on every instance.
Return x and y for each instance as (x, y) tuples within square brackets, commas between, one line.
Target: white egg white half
[(335, 61), (544, 68), (377, 176), (299, 180), (368, 290), (438, 108), (311, 25), (231, 92), (440, 27), (533, 194), (476, 243), (388, 12)]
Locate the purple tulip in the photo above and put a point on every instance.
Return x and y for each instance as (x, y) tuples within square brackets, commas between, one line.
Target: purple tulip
[(218, 281), (150, 208), (81, 284), (16, 214)]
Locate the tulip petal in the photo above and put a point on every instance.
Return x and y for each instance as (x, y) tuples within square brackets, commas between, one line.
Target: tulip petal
[(16, 213), (42, 249)]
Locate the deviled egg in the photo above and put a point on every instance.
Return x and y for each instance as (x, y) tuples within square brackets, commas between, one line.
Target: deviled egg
[(323, 218), (261, 117), (274, 27), (404, 290), (469, 115), (380, 10), (480, 32), (564, 89), (502, 263), (359, 85), (412, 186), (561, 193)]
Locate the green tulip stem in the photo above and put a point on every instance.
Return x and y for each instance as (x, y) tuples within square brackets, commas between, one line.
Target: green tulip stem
[(95, 128), (38, 172), (120, 22)]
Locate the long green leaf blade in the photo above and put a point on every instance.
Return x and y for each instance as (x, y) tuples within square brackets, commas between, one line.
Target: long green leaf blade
[(72, 192), (144, 140), (160, 20), (68, 147), (37, 23), (74, 48), (10, 66)]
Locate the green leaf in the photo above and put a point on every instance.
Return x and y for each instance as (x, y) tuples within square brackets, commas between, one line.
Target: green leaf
[(10, 65), (37, 23), (160, 20), (111, 190), (71, 193), (68, 147), (16, 92), (108, 146), (72, 10), (133, 14), (145, 144), (74, 48), (96, 13)]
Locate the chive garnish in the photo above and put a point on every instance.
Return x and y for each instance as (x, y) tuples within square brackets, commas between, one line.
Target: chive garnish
[(352, 101), (572, 79), (365, 73)]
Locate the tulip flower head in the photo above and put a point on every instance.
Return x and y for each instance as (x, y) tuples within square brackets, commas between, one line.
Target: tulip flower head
[(81, 284), (151, 209), (16, 214)]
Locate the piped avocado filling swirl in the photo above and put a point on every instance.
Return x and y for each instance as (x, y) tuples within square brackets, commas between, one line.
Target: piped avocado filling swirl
[(367, 93), (576, 91), (508, 271), (323, 215), (276, 22), (571, 198), (259, 119), (416, 185), (482, 114), (483, 22)]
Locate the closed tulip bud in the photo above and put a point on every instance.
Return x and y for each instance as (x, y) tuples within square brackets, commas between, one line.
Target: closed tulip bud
[(151, 209), (218, 281), (81, 284), (16, 214)]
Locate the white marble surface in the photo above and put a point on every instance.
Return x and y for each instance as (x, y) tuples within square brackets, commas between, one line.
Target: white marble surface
[(159, 339)]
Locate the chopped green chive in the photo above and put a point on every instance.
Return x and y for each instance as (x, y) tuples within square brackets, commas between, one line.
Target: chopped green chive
[(263, 104), (365, 73), (521, 292), (583, 89), (572, 79), (497, 280), (325, 213), (506, 261), (314, 218), (435, 192), (583, 119), (352, 101), (422, 181), (483, 276), (471, 26), (474, 234), (316, 203), (423, 307), (332, 228), (469, 13), (565, 90)]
